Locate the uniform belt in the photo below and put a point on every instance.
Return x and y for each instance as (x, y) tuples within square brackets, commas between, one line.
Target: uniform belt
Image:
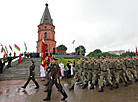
[(32, 71), (90, 69), (95, 69), (110, 68), (136, 65), (76, 71), (129, 67), (104, 71), (85, 68)]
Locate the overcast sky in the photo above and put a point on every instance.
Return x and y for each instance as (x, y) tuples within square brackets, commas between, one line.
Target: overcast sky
[(104, 24)]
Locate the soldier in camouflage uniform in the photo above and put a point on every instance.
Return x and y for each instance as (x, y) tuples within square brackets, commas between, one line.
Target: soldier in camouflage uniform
[(105, 73), (85, 69), (90, 70), (81, 67), (77, 75), (96, 72), (120, 71), (136, 64), (111, 65), (131, 70)]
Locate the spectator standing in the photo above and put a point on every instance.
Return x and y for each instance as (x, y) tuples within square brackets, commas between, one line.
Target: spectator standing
[(9, 60), (61, 65), (69, 71), (2, 64)]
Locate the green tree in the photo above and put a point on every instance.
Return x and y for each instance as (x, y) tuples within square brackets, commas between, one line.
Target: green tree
[(61, 47), (97, 51), (128, 54), (83, 49)]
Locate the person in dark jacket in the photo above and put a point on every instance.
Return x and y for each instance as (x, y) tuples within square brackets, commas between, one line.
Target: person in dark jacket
[(69, 71), (31, 77), (9, 60), (2, 64)]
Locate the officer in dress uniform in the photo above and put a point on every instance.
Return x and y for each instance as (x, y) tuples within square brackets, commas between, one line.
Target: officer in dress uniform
[(31, 77), (54, 80)]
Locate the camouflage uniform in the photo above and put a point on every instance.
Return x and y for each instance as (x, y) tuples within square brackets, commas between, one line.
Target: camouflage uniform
[(77, 76), (90, 71), (85, 70), (105, 73), (136, 65), (130, 69), (95, 73), (120, 71)]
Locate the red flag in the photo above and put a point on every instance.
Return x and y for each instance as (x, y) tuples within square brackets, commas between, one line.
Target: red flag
[(10, 48), (43, 57), (136, 51), (17, 47)]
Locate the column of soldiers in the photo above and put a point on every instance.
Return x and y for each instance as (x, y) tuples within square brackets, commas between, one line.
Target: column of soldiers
[(111, 70)]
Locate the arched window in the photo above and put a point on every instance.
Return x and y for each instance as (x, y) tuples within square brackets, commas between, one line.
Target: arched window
[(45, 34), (46, 47)]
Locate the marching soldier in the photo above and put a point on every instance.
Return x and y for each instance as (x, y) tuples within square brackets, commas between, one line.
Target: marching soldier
[(77, 75), (120, 71), (105, 73), (96, 72), (85, 69), (90, 70), (54, 80), (31, 77), (136, 64), (131, 70)]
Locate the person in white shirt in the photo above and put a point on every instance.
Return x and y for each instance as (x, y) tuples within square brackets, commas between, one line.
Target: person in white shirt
[(42, 71), (61, 65), (71, 69)]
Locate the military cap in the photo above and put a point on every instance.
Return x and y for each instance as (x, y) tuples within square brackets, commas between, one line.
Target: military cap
[(102, 57), (32, 61), (96, 57)]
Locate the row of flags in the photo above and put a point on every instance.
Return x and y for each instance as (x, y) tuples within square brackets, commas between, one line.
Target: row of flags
[(5, 50)]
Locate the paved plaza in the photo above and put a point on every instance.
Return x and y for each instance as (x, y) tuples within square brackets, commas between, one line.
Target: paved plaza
[(11, 91)]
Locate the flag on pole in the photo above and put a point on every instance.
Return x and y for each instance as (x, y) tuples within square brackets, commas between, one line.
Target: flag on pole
[(2, 49), (43, 57), (25, 46), (10, 48), (136, 51), (6, 48), (17, 47)]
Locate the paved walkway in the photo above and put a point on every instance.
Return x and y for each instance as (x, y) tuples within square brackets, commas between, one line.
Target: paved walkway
[(11, 91)]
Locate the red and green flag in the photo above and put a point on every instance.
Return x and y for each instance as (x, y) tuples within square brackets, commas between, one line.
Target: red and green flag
[(10, 48), (17, 47), (6, 48), (2, 49), (25, 46)]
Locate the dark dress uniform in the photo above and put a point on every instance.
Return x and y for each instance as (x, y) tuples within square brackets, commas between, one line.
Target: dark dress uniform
[(54, 80), (31, 77), (2, 64)]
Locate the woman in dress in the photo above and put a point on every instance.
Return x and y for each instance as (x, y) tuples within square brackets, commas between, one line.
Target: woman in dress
[(42, 71), (61, 65)]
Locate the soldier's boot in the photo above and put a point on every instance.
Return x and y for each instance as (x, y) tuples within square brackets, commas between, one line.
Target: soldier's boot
[(46, 90), (46, 83), (108, 84), (116, 86), (130, 82), (101, 90), (92, 87), (86, 83), (136, 80), (126, 84), (72, 88), (23, 87), (84, 87), (37, 86), (111, 87), (64, 94), (120, 81), (48, 96)]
